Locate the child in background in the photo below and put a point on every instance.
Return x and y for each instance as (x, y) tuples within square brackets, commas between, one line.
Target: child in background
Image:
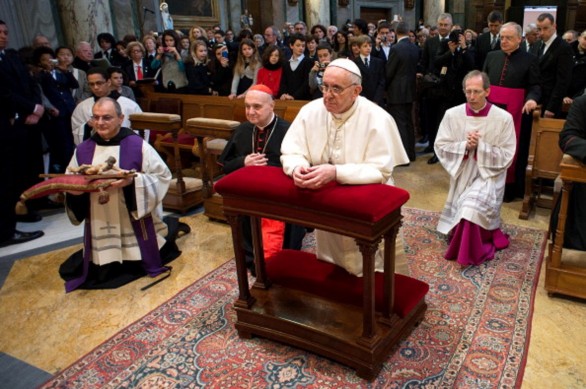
[(117, 83), (311, 48), (294, 82), (184, 43), (272, 70), (169, 60), (220, 67), (324, 57), (246, 69), (196, 69)]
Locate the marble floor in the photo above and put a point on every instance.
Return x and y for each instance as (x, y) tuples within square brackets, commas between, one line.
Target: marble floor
[(48, 329)]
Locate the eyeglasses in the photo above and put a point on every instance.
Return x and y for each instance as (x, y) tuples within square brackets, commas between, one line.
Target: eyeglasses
[(97, 83), (105, 118), (336, 90)]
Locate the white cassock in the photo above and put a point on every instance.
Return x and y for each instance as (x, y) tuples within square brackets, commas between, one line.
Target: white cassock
[(83, 113), (364, 145), (113, 238), (477, 180)]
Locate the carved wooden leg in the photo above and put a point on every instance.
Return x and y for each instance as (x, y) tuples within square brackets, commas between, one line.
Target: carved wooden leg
[(389, 278), (245, 299), (558, 243), (206, 189), (368, 251), (259, 258)]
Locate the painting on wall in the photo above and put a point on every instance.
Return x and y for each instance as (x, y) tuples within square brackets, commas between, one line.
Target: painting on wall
[(188, 13)]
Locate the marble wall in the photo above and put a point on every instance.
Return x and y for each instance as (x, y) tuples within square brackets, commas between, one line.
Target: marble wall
[(432, 9), (25, 19)]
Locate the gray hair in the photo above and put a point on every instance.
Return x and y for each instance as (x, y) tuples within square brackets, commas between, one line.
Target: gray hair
[(515, 26), (531, 27), (445, 15)]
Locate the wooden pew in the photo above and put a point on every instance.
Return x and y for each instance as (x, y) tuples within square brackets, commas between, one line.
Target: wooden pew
[(565, 278), (192, 153), (543, 164)]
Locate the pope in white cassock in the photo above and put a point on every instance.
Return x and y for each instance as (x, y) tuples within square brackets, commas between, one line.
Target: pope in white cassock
[(475, 144), (128, 228), (346, 138)]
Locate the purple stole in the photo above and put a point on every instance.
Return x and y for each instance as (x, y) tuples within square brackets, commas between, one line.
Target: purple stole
[(144, 229), (511, 100)]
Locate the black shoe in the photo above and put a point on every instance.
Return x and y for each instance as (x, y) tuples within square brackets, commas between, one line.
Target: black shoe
[(21, 237), (30, 217), (428, 149), (432, 160)]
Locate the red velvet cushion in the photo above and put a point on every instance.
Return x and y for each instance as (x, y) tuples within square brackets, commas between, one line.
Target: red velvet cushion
[(363, 202), (185, 139), (303, 271)]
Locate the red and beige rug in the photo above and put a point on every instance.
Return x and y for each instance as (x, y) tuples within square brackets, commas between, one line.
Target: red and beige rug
[(475, 332)]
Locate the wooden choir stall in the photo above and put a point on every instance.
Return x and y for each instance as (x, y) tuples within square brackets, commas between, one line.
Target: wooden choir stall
[(560, 277), (317, 306)]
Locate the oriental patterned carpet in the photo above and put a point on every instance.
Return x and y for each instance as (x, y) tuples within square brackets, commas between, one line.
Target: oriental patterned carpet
[(475, 332)]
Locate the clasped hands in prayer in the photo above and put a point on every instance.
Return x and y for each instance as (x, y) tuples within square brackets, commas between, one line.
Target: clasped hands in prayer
[(256, 159), (314, 177), (472, 140)]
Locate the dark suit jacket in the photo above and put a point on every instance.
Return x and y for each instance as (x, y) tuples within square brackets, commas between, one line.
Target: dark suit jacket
[(430, 51), (115, 58), (380, 53), (401, 72), (482, 48), (19, 94), (533, 49), (147, 72), (296, 83), (556, 74), (373, 79)]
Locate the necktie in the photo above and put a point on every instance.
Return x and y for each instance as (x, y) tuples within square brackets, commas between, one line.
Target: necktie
[(493, 42), (139, 72), (541, 49), (1, 55), (366, 62)]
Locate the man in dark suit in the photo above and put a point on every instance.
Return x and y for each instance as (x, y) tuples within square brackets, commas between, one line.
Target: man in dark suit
[(401, 72), (555, 64), (20, 108), (372, 70), (489, 41), (108, 51), (531, 42), (430, 113), (386, 36), (138, 68), (83, 56)]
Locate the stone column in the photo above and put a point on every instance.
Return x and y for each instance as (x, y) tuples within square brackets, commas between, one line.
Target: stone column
[(432, 9), (84, 20), (318, 12)]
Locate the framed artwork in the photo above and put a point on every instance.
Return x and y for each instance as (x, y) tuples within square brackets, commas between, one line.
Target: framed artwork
[(187, 13)]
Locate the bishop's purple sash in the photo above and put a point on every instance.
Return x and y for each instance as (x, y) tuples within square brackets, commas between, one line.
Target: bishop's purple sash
[(144, 229), (511, 100)]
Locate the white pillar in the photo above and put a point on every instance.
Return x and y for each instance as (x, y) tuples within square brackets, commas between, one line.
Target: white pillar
[(318, 12), (432, 9)]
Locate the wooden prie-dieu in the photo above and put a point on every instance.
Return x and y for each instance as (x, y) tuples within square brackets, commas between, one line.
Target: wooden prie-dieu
[(318, 306)]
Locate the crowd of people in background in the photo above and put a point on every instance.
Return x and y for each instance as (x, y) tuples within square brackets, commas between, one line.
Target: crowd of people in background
[(414, 72)]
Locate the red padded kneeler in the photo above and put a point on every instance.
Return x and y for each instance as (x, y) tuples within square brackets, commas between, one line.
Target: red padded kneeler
[(354, 201), (303, 271)]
